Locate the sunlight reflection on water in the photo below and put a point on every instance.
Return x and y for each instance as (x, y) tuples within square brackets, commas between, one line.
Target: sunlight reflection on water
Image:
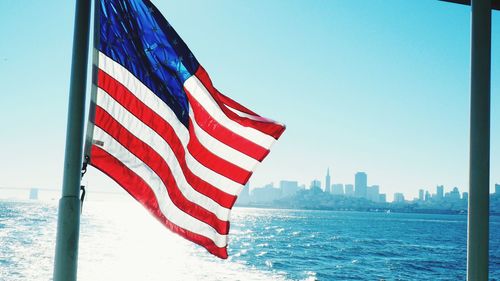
[(119, 240), (129, 244)]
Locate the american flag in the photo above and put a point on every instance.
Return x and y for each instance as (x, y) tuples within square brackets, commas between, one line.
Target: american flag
[(163, 132)]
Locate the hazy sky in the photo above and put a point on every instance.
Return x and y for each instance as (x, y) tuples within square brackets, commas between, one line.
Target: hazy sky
[(375, 86)]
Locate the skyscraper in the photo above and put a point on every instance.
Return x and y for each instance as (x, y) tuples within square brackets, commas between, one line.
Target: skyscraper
[(440, 192), (421, 194), (338, 189), (360, 184), (288, 188), (497, 189), (315, 184), (382, 198), (327, 181), (349, 190), (372, 193), (455, 194), (427, 196), (399, 197)]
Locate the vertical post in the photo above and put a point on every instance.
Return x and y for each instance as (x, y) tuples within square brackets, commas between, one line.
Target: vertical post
[(68, 224), (479, 169)]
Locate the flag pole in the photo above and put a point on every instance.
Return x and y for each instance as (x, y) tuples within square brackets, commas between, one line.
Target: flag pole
[(479, 169), (68, 223)]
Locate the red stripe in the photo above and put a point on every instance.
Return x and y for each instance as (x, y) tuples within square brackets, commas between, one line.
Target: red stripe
[(123, 96), (223, 98), (154, 161), (223, 134), (214, 162), (203, 76), (141, 191), (270, 128)]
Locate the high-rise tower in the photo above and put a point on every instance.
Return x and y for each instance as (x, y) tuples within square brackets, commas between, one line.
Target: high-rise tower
[(439, 192), (360, 184), (327, 181)]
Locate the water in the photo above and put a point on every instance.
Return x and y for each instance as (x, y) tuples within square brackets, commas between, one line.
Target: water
[(120, 241)]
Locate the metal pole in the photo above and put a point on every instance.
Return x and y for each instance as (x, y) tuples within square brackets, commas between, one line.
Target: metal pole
[(68, 224), (479, 169)]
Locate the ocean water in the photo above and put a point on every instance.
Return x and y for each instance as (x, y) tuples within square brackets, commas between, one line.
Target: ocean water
[(121, 241)]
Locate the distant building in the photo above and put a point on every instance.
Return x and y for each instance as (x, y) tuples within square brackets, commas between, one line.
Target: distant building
[(497, 189), (360, 184), (372, 193), (465, 196), (427, 196), (382, 198), (421, 195), (289, 188), (327, 181), (265, 194), (349, 190), (439, 192), (34, 194), (454, 194), (338, 189), (315, 184), (244, 197), (399, 197)]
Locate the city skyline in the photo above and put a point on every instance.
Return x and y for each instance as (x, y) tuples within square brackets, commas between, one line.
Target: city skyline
[(359, 197), (360, 188), (288, 187), (386, 93)]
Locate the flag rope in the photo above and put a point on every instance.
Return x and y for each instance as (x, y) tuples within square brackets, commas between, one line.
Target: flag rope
[(85, 163)]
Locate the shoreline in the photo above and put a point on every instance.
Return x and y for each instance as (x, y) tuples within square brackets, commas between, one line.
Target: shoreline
[(369, 210)]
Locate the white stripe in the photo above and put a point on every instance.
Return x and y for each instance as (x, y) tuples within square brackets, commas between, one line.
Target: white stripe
[(158, 144), (249, 116), (144, 94), (167, 207), (213, 178), (200, 94), (221, 149)]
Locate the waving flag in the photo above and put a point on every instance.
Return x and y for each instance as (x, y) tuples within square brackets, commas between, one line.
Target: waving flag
[(163, 132)]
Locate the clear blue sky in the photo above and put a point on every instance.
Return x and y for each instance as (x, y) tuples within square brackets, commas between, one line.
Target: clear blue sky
[(374, 86)]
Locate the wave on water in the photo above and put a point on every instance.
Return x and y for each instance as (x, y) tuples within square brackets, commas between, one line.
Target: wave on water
[(121, 241)]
